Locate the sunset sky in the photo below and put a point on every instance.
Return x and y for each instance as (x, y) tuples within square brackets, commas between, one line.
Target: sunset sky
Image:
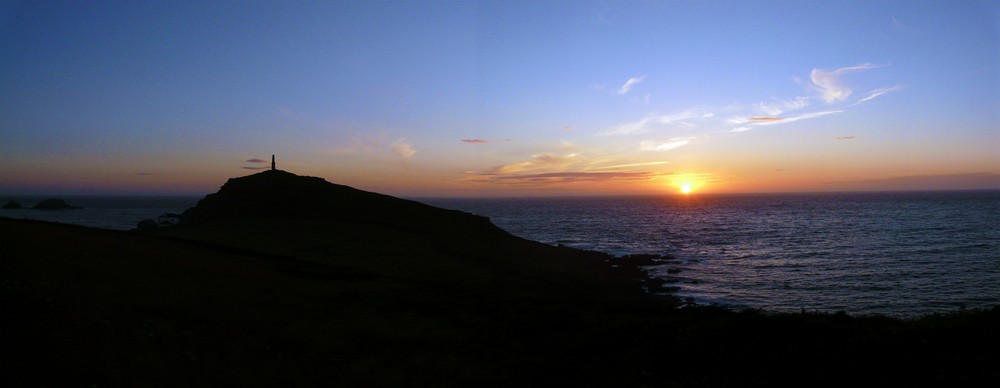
[(466, 98)]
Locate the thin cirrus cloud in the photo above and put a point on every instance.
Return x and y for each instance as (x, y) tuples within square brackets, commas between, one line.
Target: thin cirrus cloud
[(670, 144), (879, 92), (828, 83), (373, 145), (402, 148), (633, 165), (254, 161), (649, 122), (483, 141), (576, 176), (749, 123), (536, 163), (630, 83), (779, 106)]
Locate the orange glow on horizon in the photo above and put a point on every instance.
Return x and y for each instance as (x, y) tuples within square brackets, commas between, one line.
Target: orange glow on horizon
[(689, 182)]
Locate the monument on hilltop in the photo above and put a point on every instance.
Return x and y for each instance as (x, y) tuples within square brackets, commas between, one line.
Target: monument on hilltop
[(272, 163)]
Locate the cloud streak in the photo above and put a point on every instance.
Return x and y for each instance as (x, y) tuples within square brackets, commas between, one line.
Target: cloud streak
[(573, 176), (482, 141), (670, 144), (750, 123), (537, 162), (780, 106), (402, 148), (374, 146), (648, 122), (879, 92), (630, 83), (829, 85)]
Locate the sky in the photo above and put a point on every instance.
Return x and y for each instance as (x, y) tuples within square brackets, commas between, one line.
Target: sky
[(500, 98)]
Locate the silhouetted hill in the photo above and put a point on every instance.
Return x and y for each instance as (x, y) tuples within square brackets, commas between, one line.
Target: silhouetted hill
[(276, 194), (308, 218)]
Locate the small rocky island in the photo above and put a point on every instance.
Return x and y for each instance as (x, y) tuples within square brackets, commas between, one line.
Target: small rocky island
[(12, 204), (54, 204)]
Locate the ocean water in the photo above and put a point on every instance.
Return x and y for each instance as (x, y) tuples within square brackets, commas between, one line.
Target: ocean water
[(106, 212), (900, 254)]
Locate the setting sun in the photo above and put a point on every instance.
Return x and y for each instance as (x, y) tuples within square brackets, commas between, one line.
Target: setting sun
[(686, 188)]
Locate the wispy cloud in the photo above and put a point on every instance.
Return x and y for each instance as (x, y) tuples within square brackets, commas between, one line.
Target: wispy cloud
[(252, 168), (845, 137), (902, 28), (402, 148), (668, 145), (567, 128), (804, 116), (537, 162), (255, 160), (829, 85), (618, 166), (630, 83), (374, 146), (779, 106), (361, 144), (646, 123), (750, 123), (574, 176), (481, 141), (879, 92), (556, 168)]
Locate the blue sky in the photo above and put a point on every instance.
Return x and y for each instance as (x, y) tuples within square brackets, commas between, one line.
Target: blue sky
[(432, 98)]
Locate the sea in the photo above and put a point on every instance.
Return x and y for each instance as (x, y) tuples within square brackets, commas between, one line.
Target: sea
[(900, 254), (105, 212)]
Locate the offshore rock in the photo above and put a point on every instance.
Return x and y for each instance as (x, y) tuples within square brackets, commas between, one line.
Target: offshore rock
[(54, 204), (13, 205)]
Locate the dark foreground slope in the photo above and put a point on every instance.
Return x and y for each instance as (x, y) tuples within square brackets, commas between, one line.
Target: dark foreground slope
[(257, 297)]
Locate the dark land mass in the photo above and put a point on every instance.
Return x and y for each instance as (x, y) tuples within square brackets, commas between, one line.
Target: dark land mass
[(12, 205), (281, 280), (54, 204)]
